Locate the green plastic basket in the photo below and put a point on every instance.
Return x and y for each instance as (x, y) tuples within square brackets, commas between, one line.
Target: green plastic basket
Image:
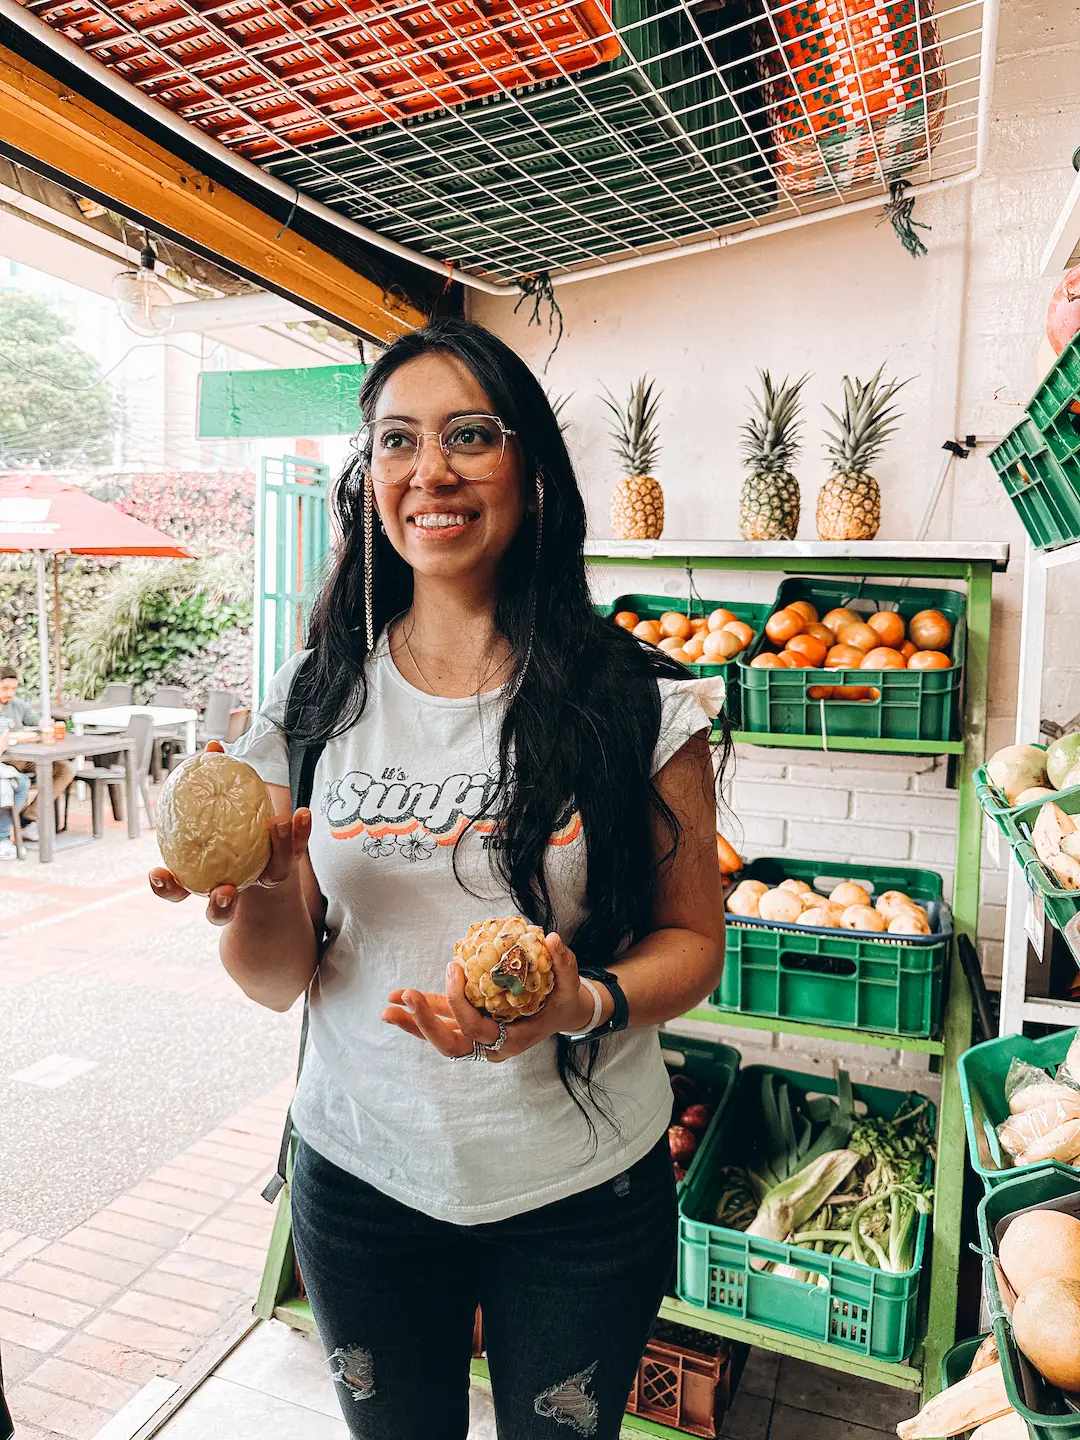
[(1045, 492), (1055, 406), (956, 1363), (912, 704), (856, 1307), (1044, 1409), (982, 1071), (992, 802), (838, 977), (651, 607), (1059, 904), (710, 1062)]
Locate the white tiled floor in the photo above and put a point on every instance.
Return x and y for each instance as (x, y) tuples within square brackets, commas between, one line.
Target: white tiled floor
[(276, 1383)]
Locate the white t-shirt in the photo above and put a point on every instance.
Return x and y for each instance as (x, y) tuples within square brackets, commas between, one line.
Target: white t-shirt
[(468, 1143)]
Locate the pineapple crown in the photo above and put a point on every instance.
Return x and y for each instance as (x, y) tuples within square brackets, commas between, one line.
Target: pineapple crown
[(634, 432), (770, 438), (867, 422)]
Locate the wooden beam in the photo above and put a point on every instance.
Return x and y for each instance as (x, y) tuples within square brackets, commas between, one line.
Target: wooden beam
[(49, 122)]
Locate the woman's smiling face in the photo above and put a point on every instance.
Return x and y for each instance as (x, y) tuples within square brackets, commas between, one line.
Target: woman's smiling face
[(482, 515)]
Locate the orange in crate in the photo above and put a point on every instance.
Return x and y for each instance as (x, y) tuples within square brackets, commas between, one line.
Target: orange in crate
[(852, 84), (263, 77)]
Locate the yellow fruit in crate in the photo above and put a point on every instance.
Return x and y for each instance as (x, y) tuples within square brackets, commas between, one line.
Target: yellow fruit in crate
[(213, 823), (507, 967), (848, 892)]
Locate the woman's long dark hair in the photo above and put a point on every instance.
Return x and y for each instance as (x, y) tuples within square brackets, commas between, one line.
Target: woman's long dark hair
[(584, 714)]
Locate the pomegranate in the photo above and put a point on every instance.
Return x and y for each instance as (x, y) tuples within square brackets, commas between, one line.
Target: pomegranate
[(1063, 316)]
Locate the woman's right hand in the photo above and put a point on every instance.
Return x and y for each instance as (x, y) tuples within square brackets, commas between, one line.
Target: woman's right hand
[(288, 846)]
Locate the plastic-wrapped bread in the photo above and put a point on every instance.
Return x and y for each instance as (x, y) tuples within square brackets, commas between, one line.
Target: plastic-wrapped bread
[(1062, 1144), (1021, 1131), (213, 823)]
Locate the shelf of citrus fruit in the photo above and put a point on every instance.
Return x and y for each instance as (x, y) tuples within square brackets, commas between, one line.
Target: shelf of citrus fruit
[(875, 661)]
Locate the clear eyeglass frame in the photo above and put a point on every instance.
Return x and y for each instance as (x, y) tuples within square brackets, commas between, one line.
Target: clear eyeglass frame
[(478, 463)]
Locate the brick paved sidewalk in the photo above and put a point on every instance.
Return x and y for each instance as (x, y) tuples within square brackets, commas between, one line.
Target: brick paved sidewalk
[(151, 1284)]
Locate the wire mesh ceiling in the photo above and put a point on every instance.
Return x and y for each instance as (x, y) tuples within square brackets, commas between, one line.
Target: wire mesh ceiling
[(512, 137)]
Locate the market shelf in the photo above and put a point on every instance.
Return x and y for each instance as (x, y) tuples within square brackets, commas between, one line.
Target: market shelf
[(907, 1376), (845, 742), (816, 1032)]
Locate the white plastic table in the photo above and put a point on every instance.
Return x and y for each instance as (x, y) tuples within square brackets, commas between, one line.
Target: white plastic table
[(118, 717)]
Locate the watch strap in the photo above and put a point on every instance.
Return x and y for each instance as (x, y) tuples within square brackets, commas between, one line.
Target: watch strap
[(620, 1015)]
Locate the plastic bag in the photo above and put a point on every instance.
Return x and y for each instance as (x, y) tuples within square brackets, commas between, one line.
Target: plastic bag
[(1043, 1132), (1026, 1086)]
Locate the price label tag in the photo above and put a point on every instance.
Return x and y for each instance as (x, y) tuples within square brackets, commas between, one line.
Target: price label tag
[(992, 836), (1034, 921)]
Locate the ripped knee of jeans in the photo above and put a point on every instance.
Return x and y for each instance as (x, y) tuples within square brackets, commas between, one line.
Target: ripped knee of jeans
[(571, 1403), (353, 1367)]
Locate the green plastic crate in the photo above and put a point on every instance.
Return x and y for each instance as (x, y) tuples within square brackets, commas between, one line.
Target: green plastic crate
[(882, 983), (982, 1071), (1045, 492), (856, 1307), (1044, 1409), (1060, 905), (956, 1363), (1052, 405), (913, 704), (992, 801), (651, 607), (710, 1062)]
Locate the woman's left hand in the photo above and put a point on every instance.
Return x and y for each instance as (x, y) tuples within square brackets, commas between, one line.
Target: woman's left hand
[(451, 1024)]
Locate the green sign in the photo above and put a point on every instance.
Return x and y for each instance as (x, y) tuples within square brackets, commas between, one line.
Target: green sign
[(259, 404)]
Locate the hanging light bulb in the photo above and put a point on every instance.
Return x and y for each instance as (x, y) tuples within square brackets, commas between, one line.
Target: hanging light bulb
[(145, 306)]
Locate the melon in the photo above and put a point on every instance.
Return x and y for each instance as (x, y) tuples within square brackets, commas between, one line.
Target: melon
[(1017, 768), (1061, 756), (1040, 1243), (1046, 1327), (1063, 316)]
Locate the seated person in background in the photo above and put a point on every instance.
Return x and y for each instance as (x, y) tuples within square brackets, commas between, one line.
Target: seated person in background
[(16, 714), (13, 788)]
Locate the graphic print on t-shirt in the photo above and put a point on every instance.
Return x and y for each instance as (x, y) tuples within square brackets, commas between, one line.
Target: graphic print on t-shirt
[(414, 818)]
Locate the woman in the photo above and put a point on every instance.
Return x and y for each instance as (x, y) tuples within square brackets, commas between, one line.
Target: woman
[(492, 748)]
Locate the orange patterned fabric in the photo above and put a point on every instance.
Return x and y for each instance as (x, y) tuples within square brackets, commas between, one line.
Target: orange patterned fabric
[(856, 90)]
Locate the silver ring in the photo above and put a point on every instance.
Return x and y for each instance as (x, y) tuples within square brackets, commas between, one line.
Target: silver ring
[(269, 884), (477, 1053), (496, 1044)]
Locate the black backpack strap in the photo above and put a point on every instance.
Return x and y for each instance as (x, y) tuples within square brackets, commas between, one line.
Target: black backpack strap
[(303, 758)]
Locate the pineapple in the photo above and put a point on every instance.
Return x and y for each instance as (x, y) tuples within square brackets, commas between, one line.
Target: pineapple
[(849, 503), (769, 502), (637, 502), (507, 967)]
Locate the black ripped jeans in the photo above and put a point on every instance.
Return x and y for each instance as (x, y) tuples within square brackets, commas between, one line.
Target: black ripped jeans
[(569, 1293)]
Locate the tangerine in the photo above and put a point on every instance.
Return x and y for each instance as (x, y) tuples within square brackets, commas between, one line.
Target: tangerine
[(859, 635), (627, 619), (883, 657), (675, 624), (782, 625), (929, 660), (843, 657), (649, 631), (719, 618), (743, 633), (809, 645), (806, 610)]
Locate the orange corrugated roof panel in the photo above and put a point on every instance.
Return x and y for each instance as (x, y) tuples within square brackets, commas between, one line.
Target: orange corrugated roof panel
[(265, 76)]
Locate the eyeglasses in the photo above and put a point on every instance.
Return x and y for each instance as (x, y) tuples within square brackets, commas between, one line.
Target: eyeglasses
[(473, 445)]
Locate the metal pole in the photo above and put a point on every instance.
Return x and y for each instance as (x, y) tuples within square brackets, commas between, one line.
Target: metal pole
[(43, 639), (57, 652)]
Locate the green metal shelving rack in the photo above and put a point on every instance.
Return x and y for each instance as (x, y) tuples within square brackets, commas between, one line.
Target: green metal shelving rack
[(974, 565)]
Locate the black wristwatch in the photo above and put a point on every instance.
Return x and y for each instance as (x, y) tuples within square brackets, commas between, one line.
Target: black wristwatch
[(620, 1016)]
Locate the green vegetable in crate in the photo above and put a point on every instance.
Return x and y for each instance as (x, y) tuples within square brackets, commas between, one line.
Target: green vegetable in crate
[(849, 503), (769, 504)]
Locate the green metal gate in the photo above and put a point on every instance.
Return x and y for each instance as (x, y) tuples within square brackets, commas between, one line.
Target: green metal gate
[(292, 542)]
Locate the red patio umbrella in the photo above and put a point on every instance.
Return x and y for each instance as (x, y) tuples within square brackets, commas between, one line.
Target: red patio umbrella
[(43, 515)]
